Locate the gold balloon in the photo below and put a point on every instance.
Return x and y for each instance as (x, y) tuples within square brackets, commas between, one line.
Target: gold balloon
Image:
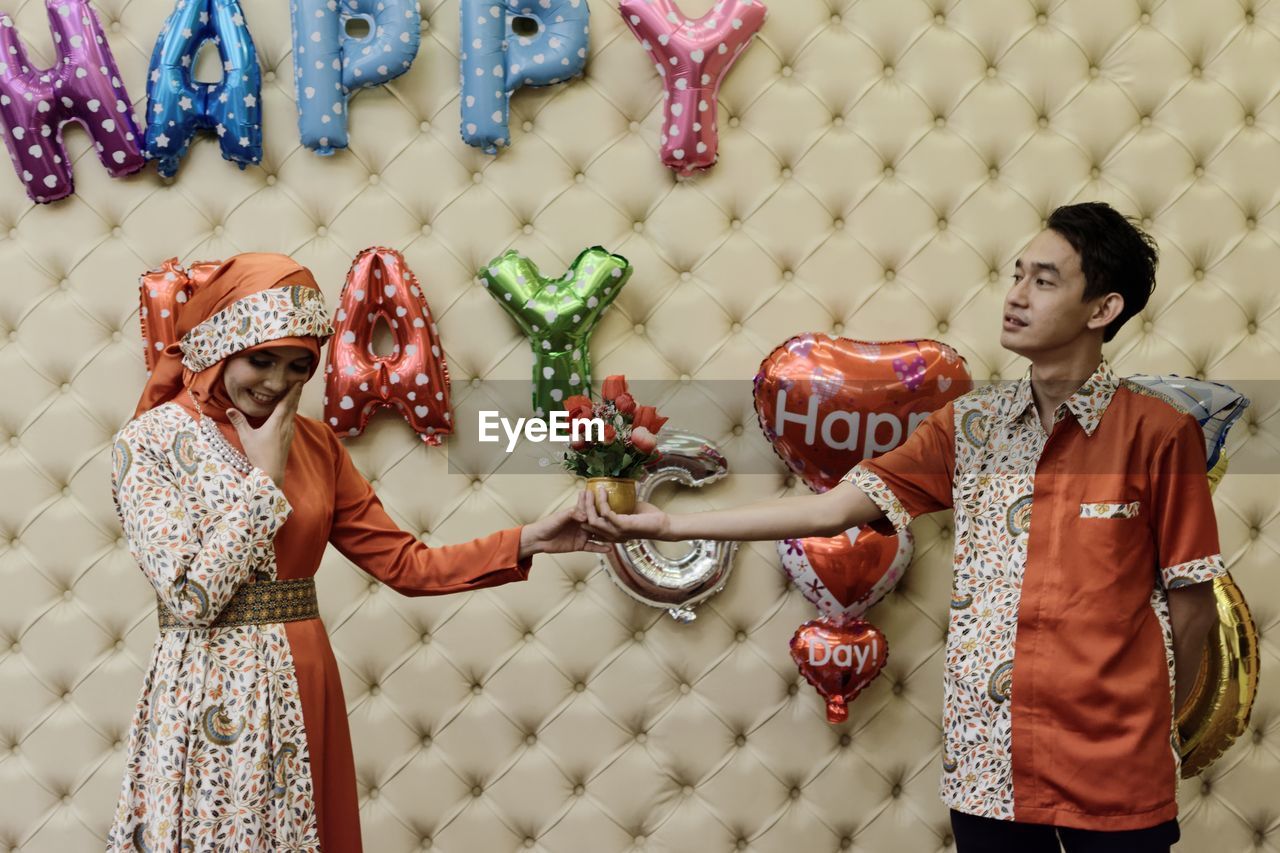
[(1218, 707)]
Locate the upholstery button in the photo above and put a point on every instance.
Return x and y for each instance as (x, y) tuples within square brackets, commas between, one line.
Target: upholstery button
[(476, 689), (641, 737), (638, 328), (897, 688), (477, 484), (993, 276), (634, 126), (788, 275), (1094, 71), (15, 648), (424, 25), (67, 595), (737, 430), (795, 793), (1257, 735), (117, 744), (1198, 275), (740, 740), (846, 739), (939, 121), (1253, 328), (846, 843), (734, 121), (217, 230), (897, 791), (477, 177), (64, 284), (528, 228), (424, 126), (793, 689), (578, 177), (639, 839), (117, 231), (1145, 18), (1248, 119), (1253, 430), (322, 231), (789, 482), (65, 387), (579, 586), (1196, 71), (529, 842), (638, 636), (1253, 532), (66, 491), (742, 844), (1204, 788), (685, 688), (637, 227), (476, 790), (1251, 223), (373, 793), (373, 587), (374, 690), (1199, 170), (837, 121), (426, 741), (1042, 18), (945, 532), (114, 26), (993, 173), (271, 180), (374, 179), (991, 71), (66, 799), (1148, 326), (888, 71), (426, 230), (943, 326), (942, 225), (1146, 222), (741, 636), (686, 790), (527, 126), (118, 645), (578, 687), (13, 232), (686, 276), (890, 274), (579, 790), (270, 76), (838, 224), (735, 328), (426, 842), (735, 224), (1043, 121), (786, 71), (1095, 172), (837, 329), (835, 19), (528, 636), (888, 171), (1145, 121), (66, 696)]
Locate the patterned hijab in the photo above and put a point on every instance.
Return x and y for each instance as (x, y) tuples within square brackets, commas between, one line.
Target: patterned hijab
[(251, 302)]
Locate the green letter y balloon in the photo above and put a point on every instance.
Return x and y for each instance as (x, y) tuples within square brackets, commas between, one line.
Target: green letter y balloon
[(558, 316)]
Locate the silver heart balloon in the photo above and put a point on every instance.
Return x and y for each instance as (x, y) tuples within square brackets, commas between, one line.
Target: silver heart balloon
[(677, 584)]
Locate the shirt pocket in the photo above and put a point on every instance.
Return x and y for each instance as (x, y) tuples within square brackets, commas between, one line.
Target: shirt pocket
[(1111, 509)]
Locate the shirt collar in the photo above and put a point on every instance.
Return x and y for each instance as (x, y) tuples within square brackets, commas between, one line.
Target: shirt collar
[(1087, 404)]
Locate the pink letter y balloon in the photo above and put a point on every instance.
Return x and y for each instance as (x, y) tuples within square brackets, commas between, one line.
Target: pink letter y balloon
[(82, 85), (692, 57)]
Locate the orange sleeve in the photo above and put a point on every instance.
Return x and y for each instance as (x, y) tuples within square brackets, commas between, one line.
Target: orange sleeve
[(913, 479), (368, 537), (1182, 516)]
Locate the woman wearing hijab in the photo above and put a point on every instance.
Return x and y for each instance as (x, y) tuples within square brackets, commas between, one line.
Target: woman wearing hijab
[(227, 500)]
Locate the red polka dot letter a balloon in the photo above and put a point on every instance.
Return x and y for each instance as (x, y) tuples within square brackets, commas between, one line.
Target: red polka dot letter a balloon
[(413, 378)]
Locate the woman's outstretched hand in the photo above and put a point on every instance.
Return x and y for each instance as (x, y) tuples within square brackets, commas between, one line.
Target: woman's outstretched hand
[(268, 446), (602, 523), (559, 533)]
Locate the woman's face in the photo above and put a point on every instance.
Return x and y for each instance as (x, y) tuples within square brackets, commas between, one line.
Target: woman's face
[(256, 381)]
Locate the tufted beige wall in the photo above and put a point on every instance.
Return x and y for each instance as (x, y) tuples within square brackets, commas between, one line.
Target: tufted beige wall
[(882, 162)]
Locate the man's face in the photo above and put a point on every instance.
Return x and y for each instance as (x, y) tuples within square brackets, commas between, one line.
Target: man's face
[(1044, 310)]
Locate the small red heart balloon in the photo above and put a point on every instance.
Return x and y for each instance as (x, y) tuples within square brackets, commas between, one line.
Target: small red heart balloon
[(825, 403), (839, 660), (845, 575)]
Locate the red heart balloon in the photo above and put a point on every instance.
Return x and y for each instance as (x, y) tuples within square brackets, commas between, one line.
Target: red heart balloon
[(839, 660), (825, 403), (845, 575)]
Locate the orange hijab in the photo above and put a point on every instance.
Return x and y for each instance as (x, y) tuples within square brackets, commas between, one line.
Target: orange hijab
[(237, 277)]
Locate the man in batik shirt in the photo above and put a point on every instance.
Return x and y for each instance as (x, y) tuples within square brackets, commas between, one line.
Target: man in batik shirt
[(1085, 540)]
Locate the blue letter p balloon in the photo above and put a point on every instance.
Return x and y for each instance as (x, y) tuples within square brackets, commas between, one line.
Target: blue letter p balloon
[(329, 63), (178, 106), (507, 44)]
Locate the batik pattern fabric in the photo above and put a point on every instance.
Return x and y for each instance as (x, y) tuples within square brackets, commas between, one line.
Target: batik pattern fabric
[(217, 755), (980, 456), (269, 315)]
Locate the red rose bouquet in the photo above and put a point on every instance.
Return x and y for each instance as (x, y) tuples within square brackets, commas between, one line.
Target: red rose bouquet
[(630, 439)]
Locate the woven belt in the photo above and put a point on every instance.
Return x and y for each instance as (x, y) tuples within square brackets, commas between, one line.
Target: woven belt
[(258, 603)]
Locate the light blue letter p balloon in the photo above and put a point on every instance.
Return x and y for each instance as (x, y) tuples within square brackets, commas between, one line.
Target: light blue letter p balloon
[(329, 63), (507, 44)]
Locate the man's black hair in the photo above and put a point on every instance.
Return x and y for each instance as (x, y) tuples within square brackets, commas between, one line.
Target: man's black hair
[(1115, 254)]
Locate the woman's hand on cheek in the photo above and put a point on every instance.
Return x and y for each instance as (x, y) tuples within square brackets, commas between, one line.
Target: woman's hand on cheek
[(268, 446)]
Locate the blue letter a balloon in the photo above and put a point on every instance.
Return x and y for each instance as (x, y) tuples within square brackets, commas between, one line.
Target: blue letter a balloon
[(329, 63), (507, 44), (178, 106)]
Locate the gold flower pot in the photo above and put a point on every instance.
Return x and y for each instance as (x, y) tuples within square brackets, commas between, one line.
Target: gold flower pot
[(620, 490)]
